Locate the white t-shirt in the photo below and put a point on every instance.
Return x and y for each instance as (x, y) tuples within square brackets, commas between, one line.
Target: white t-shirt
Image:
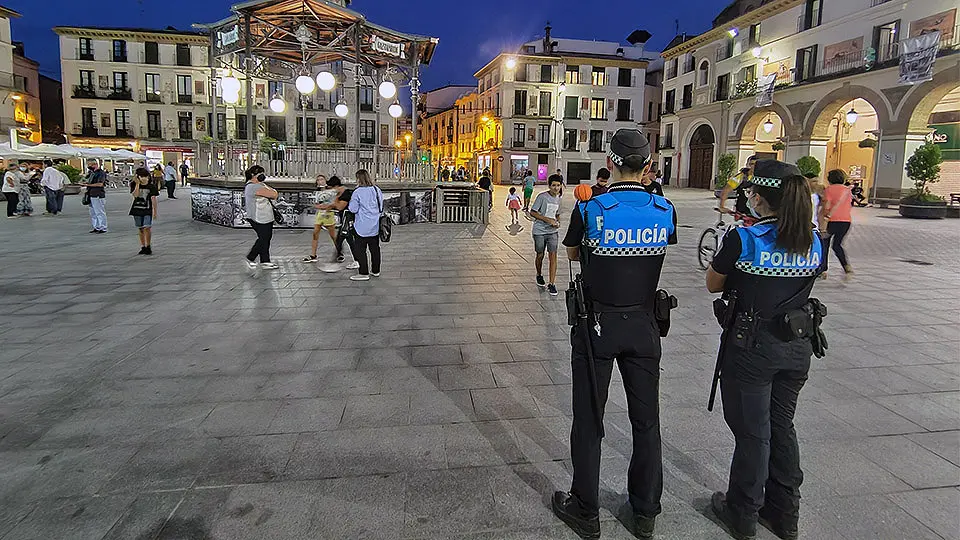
[(815, 199), (10, 177)]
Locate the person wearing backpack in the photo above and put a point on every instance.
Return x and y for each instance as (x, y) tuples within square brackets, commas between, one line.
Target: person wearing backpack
[(366, 205), (144, 207)]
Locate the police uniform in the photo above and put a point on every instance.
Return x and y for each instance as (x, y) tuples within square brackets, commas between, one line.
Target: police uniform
[(625, 233), (762, 375)]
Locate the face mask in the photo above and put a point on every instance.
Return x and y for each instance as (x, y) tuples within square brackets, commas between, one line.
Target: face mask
[(261, 177), (752, 207), (24, 169)]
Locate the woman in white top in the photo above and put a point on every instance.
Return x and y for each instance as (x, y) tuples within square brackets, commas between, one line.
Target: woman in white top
[(257, 197), (11, 186)]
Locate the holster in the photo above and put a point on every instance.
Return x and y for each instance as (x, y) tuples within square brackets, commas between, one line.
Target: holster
[(663, 303), (573, 310), (803, 323)]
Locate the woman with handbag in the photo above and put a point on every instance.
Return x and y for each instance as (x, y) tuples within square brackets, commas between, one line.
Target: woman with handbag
[(144, 207), (258, 199), (366, 205)]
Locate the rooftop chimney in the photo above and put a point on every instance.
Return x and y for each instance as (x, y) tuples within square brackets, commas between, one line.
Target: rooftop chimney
[(548, 44)]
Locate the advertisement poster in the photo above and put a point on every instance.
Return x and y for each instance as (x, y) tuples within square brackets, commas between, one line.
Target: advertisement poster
[(781, 68), (944, 22), (917, 56), (842, 55)]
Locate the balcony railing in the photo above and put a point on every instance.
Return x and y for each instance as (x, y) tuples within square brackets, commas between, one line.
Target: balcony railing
[(671, 71), (89, 92), (86, 131), (724, 52), (688, 65), (150, 97), (154, 134), (128, 132), (81, 54), (517, 144), (186, 99), (185, 135)]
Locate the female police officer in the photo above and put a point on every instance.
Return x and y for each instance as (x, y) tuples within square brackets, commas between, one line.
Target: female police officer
[(766, 272), (623, 235)]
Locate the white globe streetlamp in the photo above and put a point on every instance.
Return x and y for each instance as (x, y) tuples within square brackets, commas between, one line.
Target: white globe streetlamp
[(395, 110), (231, 97), (305, 84), (342, 110), (387, 90), (326, 81), (563, 87), (768, 125), (852, 116), (277, 105), (230, 85), (756, 51)]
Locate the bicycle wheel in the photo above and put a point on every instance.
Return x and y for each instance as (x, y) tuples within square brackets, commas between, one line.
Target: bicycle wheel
[(706, 247)]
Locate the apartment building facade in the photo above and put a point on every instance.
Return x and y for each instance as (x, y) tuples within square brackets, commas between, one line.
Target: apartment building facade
[(837, 92), (8, 86), (154, 91), (555, 105)]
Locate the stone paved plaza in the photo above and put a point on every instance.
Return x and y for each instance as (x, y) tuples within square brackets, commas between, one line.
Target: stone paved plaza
[(175, 397)]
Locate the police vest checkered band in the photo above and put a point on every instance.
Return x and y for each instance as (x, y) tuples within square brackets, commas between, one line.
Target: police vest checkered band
[(766, 182), (747, 268), (617, 160), (630, 251), (591, 242)]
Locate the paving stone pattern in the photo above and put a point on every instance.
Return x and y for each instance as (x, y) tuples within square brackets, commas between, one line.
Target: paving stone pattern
[(175, 397)]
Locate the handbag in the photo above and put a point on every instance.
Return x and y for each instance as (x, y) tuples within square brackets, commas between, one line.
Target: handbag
[(85, 200), (386, 224), (277, 216)]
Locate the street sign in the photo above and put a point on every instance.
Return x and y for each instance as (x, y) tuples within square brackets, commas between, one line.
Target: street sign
[(500, 158)]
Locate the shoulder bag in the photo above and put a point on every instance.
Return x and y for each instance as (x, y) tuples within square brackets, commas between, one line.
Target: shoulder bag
[(386, 224), (277, 216), (85, 200)]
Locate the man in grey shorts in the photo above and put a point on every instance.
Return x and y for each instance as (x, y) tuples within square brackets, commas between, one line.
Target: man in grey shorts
[(546, 226)]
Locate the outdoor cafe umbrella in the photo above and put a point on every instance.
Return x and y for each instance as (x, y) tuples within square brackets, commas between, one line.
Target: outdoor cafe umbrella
[(49, 151), (126, 155)]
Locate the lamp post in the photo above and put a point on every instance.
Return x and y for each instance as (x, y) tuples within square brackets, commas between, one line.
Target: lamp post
[(876, 161)]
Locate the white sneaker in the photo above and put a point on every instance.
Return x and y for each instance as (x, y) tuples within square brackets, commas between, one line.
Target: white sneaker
[(353, 266), (251, 267), (270, 266), (375, 274), (360, 277), (330, 268)]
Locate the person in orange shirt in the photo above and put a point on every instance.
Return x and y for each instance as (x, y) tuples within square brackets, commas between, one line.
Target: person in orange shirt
[(836, 206)]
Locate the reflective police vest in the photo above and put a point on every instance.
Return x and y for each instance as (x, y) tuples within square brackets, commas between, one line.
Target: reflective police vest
[(627, 223), (760, 255)]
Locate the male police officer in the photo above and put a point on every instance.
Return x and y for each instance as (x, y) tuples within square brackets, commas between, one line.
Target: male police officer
[(624, 235)]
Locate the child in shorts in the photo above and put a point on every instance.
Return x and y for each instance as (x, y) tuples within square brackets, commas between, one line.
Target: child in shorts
[(513, 203), (326, 219)]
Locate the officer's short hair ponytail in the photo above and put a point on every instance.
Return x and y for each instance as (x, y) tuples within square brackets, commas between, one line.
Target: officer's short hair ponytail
[(794, 208), (633, 164)]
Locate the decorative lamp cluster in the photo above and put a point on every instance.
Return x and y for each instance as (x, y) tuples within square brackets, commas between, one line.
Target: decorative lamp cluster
[(325, 81)]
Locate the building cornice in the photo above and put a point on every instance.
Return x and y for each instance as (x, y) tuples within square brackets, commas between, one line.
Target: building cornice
[(752, 17), (135, 34), (9, 13)]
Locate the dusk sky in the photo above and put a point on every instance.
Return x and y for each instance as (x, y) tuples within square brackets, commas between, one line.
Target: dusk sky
[(469, 36)]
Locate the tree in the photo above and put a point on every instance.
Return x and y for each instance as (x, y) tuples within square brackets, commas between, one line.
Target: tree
[(726, 166), (809, 165), (923, 168)]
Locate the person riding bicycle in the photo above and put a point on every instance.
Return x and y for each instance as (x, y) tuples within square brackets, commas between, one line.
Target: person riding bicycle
[(737, 183)]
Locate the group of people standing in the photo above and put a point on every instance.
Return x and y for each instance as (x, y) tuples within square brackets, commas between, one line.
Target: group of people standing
[(348, 215)]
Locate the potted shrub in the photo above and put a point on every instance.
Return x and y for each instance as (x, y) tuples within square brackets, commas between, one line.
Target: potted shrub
[(923, 168), (809, 166), (73, 175), (778, 146), (868, 143), (726, 167)]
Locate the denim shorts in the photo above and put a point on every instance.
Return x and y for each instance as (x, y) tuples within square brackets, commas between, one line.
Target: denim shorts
[(143, 222), (546, 242)]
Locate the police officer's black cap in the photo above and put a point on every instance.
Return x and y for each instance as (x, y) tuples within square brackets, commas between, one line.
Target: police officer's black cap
[(628, 143), (770, 172)]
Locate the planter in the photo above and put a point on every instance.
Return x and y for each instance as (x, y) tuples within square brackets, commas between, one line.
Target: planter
[(912, 208), (71, 189)]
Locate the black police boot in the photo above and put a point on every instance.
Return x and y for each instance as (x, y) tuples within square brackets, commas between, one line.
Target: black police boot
[(782, 525), (740, 527), (568, 509), (642, 526)]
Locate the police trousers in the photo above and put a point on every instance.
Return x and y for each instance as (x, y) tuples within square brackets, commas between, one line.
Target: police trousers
[(633, 339), (759, 389)]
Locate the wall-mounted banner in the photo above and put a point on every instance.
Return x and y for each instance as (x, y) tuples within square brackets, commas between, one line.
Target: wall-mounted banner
[(387, 47), (765, 90), (229, 37), (917, 56)]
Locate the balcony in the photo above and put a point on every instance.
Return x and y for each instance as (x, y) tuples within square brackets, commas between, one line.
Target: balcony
[(124, 132), (150, 97), (672, 70), (517, 144), (154, 134), (83, 54), (186, 135), (119, 57), (123, 94), (86, 131), (185, 99), (89, 92)]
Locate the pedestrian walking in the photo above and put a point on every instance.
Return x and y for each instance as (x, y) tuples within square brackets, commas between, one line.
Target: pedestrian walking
[(184, 173), (95, 182), (24, 199), (766, 272), (326, 218), (52, 182), (837, 206), (170, 178), (513, 203), (650, 185), (11, 182), (603, 178), (620, 238), (546, 232), (156, 174), (257, 197), (144, 208), (528, 182), (485, 184), (366, 205)]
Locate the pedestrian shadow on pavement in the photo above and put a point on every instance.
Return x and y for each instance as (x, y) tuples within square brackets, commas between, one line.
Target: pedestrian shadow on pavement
[(514, 228)]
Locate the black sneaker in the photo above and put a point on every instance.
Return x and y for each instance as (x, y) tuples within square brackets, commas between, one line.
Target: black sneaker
[(147, 251), (567, 508), (785, 527), (552, 289), (143, 250), (740, 528), (642, 526), (541, 282)]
